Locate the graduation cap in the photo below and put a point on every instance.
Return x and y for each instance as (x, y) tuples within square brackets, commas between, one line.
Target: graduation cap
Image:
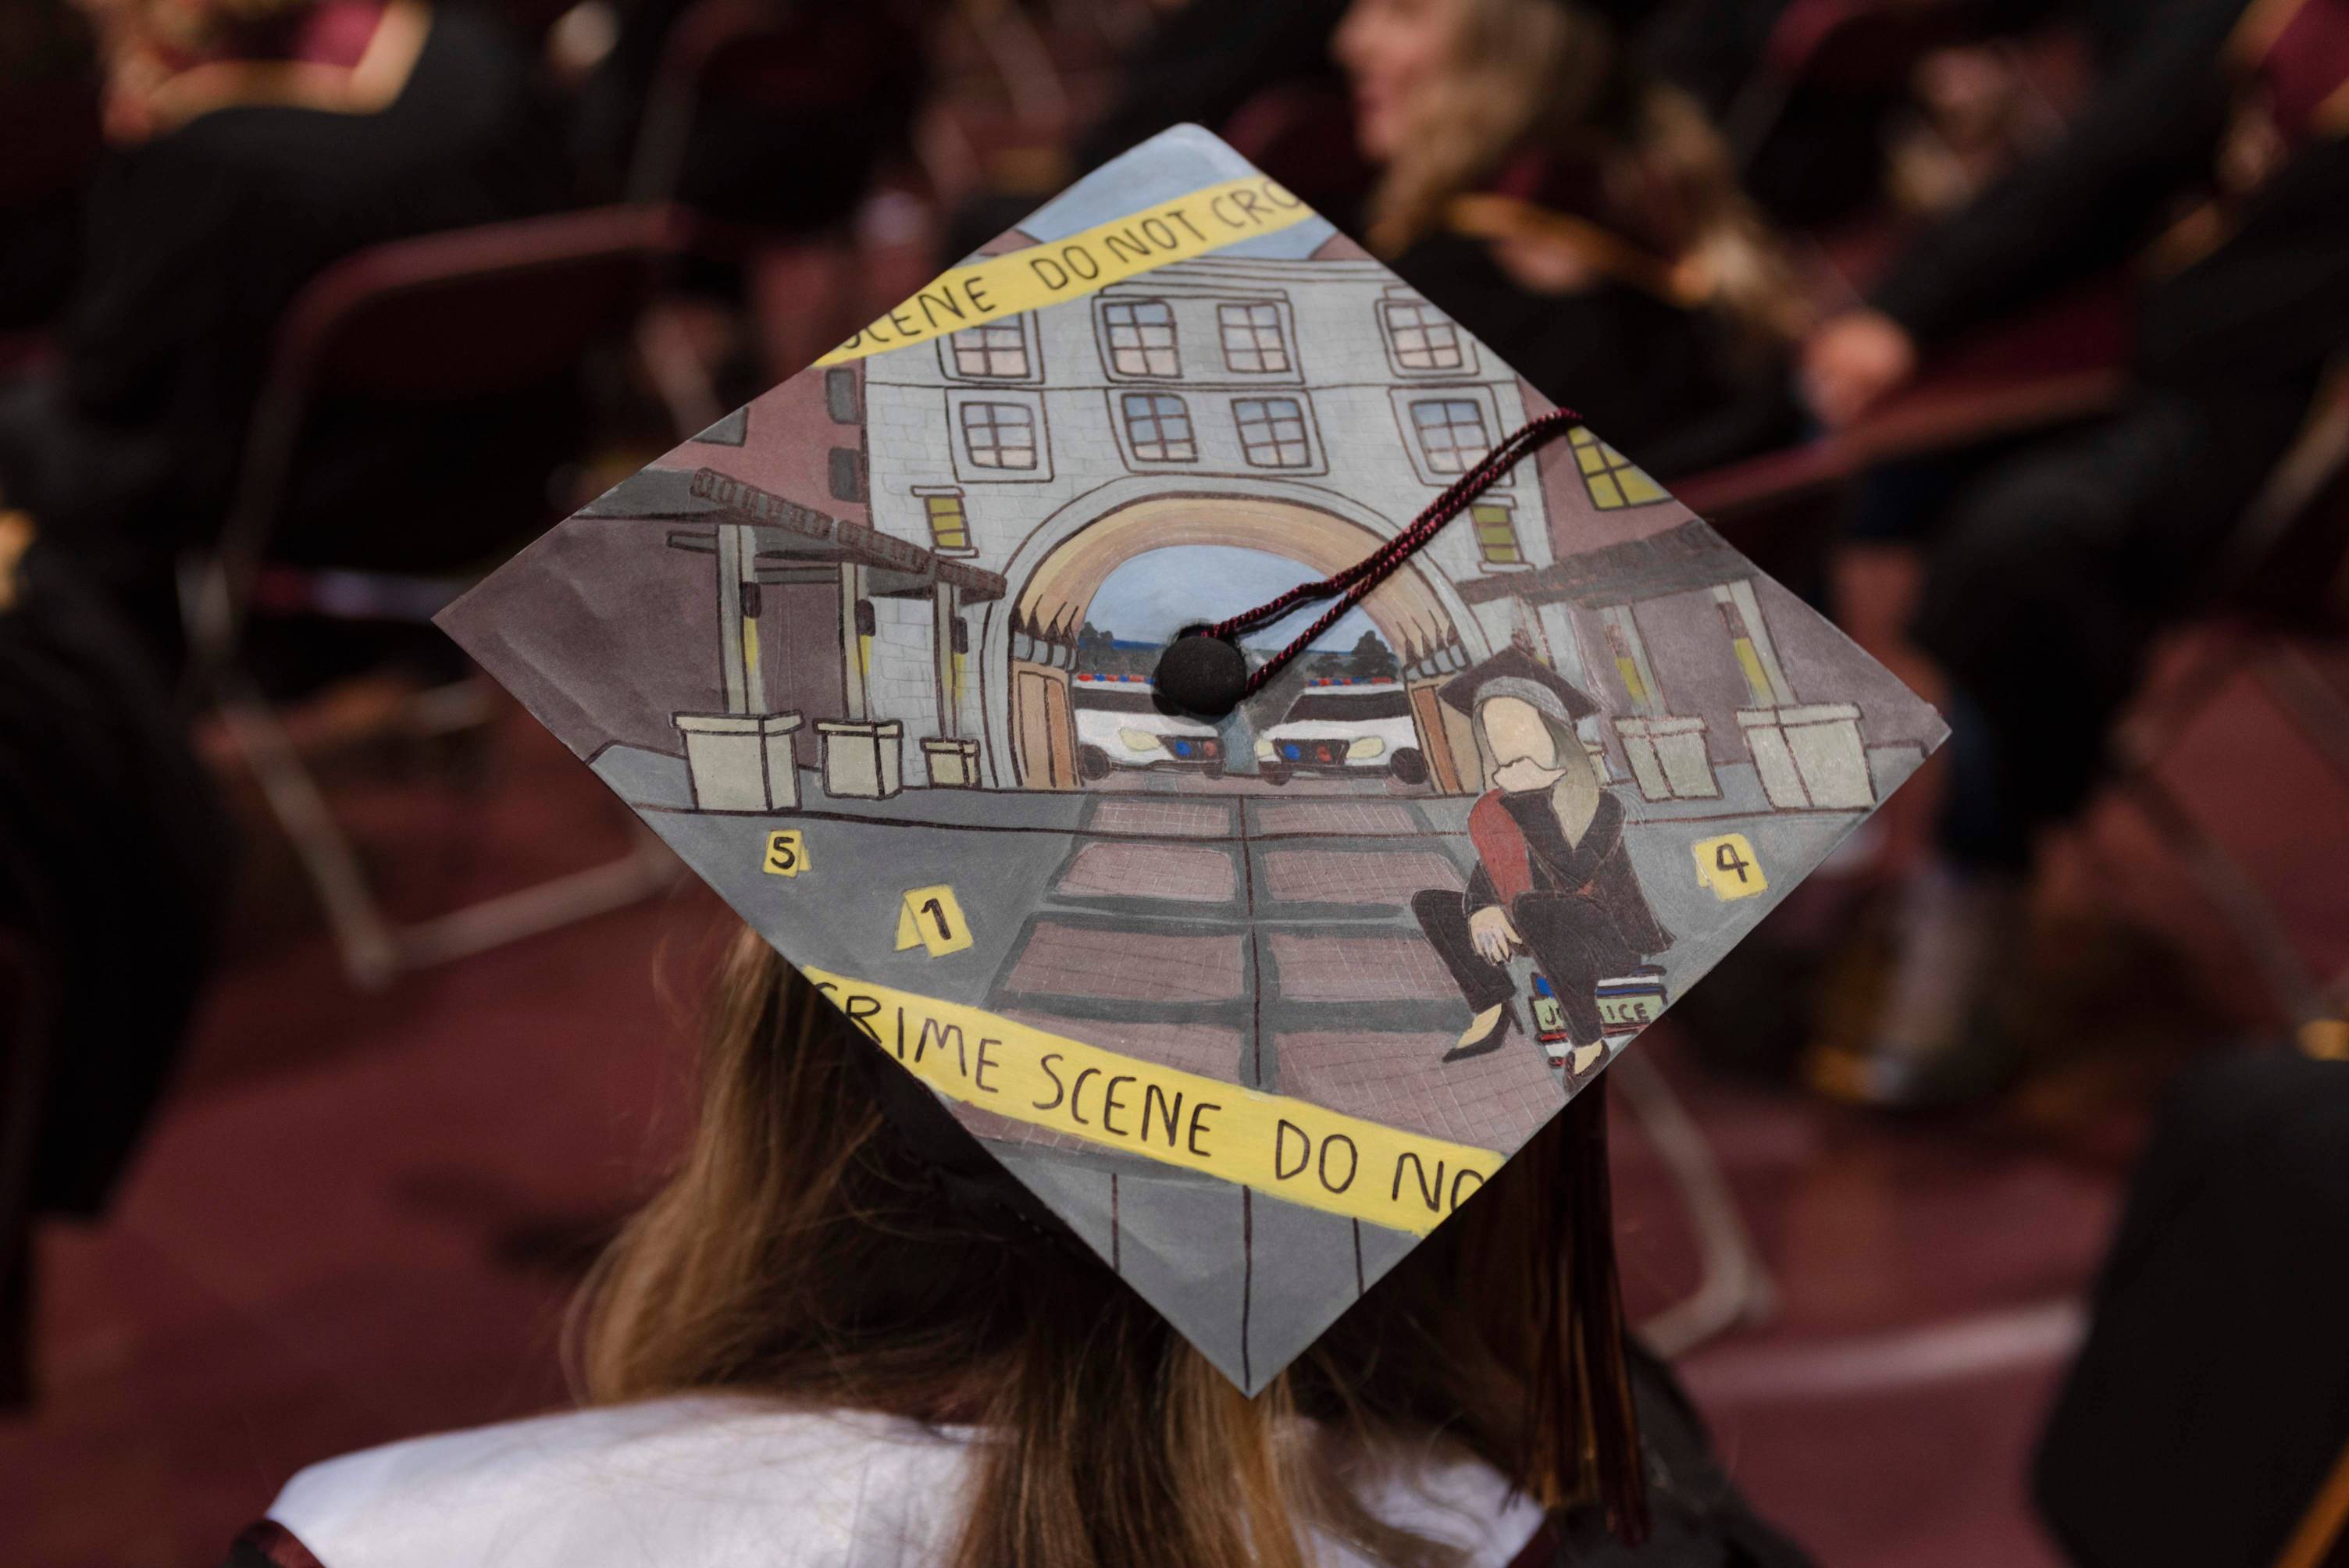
[(875, 656)]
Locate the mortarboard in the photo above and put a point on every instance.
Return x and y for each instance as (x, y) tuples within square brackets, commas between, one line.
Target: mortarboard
[(875, 656)]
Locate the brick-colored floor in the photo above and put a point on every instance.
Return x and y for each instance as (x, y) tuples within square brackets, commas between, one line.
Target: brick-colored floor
[(1336, 817), (359, 1217), (1065, 959), (1339, 876), (1360, 968), (1151, 871), (1185, 818)]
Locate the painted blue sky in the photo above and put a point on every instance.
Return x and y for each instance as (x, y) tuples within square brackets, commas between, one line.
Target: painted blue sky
[(1156, 594)]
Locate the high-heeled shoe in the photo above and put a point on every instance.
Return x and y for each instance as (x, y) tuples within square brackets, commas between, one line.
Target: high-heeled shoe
[(1484, 1033)]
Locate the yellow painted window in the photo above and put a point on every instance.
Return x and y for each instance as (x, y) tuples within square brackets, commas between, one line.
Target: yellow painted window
[(1749, 654), (1613, 479), (1497, 534), (949, 528), (1627, 664)]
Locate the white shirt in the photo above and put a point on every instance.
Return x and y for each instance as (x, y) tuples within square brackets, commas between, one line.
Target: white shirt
[(724, 1482)]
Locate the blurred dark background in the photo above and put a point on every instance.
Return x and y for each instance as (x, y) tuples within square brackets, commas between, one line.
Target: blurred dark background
[(342, 1013)]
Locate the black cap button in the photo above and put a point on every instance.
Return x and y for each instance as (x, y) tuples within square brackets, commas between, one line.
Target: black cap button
[(1203, 675)]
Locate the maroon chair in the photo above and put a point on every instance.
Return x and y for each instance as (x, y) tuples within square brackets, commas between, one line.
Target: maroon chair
[(761, 55), (2281, 589), (731, 65), (449, 319)]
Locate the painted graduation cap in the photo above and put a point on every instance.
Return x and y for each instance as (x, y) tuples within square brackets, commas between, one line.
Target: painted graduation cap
[(873, 654)]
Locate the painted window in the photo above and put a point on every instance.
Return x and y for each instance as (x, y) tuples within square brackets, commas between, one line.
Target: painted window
[(1253, 341), (1630, 652), (1272, 432), (1141, 337), (949, 525), (1450, 432), (840, 399), (1158, 428), (1423, 336), (993, 349), (845, 469), (1000, 435), (1497, 534), (1612, 478)]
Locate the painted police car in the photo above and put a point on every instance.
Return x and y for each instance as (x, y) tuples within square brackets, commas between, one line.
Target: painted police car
[(1347, 727), (1119, 726)]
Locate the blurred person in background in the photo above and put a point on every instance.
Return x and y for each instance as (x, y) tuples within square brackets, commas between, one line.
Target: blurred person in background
[(48, 122), (116, 856), (1543, 190), (2211, 163), (842, 1333), (253, 143), (2214, 1364)]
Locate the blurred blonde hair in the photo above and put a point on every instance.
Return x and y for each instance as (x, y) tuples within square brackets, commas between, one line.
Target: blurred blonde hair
[(1556, 77)]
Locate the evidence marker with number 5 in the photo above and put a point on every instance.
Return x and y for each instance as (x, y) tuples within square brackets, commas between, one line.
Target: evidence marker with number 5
[(786, 853)]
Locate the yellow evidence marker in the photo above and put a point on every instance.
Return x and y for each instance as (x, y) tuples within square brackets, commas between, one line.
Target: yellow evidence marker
[(786, 854), (1727, 866), (931, 918)]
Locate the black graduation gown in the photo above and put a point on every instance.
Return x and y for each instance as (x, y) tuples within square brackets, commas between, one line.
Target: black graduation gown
[(195, 243)]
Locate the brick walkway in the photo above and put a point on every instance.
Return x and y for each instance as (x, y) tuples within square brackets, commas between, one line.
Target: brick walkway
[(1163, 871), (1339, 876)]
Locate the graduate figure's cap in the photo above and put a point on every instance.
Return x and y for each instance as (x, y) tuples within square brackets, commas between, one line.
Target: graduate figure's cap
[(1514, 672), (875, 656)]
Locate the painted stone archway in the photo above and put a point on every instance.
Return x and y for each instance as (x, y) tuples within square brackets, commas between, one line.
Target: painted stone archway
[(1028, 642)]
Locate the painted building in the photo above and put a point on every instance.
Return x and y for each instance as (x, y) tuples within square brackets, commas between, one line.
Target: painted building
[(898, 601), (1309, 408)]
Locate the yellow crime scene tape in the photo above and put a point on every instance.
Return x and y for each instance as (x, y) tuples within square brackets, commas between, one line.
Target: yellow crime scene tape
[(1288, 1148), (1001, 287)]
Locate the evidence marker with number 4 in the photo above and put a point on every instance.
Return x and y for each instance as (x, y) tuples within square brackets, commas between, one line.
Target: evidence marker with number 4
[(1728, 866)]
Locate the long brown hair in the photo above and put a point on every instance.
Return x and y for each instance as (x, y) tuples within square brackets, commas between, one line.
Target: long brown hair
[(1557, 77), (801, 1251)]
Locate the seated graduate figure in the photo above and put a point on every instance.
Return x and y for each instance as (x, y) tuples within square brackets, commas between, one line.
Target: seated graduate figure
[(1552, 876)]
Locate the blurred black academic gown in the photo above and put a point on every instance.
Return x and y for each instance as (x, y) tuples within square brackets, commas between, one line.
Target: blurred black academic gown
[(198, 239), (114, 862), (2213, 1397)]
